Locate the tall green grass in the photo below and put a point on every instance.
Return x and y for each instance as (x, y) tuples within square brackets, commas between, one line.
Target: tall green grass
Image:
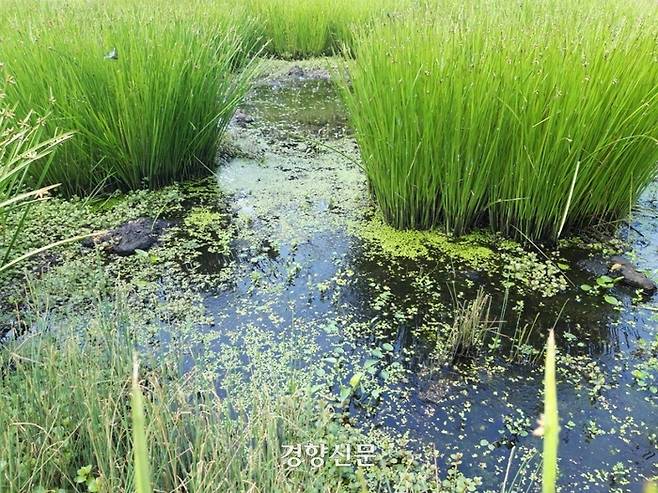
[(550, 421), (22, 147), (76, 414), (306, 28), (153, 113), (140, 439), (539, 117), (66, 417)]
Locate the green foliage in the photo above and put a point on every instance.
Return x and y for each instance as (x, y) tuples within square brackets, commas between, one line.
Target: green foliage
[(21, 148), (550, 422), (470, 327), (209, 228), (71, 418), (140, 450), (305, 28), (532, 119), (148, 90)]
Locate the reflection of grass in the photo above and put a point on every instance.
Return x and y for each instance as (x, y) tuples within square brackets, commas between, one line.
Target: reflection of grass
[(531, 119)]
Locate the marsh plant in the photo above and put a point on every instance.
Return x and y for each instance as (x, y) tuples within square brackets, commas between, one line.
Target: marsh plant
[(78, 414), (532, 119), (148, 90), (469, 331), (22, 147), (549, 423), (305, 28), (67, 420)]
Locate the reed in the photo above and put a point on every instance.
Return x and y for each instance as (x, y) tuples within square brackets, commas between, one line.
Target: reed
[(306, 28), (22, 147), (140, 448), (537, 118), (550, 421), (148, 90)]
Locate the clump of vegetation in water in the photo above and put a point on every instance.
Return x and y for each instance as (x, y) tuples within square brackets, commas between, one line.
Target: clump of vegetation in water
[(417, 244), (522, 270), (492, 113), (304, 28), (209, 228), (148, 96)]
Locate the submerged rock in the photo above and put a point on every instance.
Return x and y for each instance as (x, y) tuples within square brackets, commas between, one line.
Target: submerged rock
[(622, 267), (312, 73), (140, 234), (296, 71), (242, 119)]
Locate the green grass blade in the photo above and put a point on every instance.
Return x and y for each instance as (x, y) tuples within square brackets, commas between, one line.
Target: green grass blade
[(140, 447), (550, 421)]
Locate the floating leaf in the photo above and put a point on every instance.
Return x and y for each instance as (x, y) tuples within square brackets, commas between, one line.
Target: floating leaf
[(345, 393), (356, 380), (611, 299), (604, 281), (586, 287)]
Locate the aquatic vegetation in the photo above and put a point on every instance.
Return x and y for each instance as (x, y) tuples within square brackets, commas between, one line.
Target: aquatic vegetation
[(522, 270), (21, 148), (303, 28), (468, 332), (645, 373), (320, 328), (86, 427), (471, 249), (148, 96), (209, 228), (550, 426), (140, 448), (533, 119)]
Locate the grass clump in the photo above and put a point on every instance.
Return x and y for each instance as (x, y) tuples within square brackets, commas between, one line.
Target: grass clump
[(532, 119), (470, 327), (305, 28), (147, 91), (22, 147)]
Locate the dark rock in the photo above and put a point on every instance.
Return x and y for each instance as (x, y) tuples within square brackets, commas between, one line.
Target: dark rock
[(140, 234), (242, 119), (622, 267), (296, 71), (313, 73)]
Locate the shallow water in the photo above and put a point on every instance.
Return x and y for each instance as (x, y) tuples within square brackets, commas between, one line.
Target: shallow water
[(311, 295)]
